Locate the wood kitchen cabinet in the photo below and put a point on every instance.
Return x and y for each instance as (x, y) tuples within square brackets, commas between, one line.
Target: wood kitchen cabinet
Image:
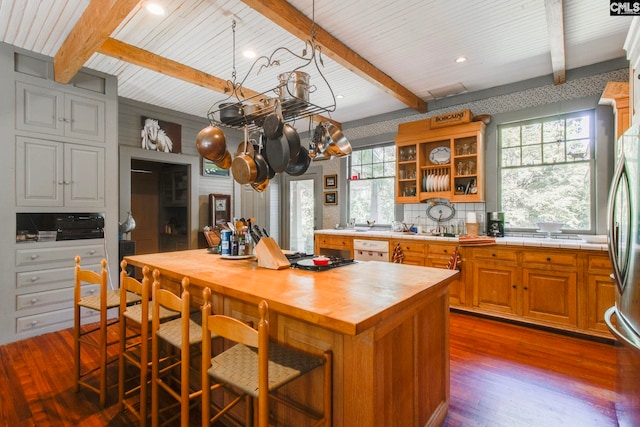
[(51, 173), (601, 291), (414, 251), (334, 245), (438, 256), (440, 163), (494, 279)]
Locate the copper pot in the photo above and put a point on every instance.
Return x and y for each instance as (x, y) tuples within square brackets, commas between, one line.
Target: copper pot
[(244, 166), (211, 143), (225, 162)]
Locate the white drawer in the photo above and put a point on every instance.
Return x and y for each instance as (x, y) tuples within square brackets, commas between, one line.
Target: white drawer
[(54, 277), (88, 253), (61, 297), (53, 320), (44, 320)]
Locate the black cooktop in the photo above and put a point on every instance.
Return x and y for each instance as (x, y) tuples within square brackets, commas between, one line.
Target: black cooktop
[(303, 261)]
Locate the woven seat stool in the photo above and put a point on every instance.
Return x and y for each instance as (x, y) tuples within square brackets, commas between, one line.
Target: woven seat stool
[(134, 343), (94, 378), (254, 368), (180, 336)]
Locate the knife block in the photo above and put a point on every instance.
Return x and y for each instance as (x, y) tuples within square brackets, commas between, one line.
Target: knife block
[(270, 255)]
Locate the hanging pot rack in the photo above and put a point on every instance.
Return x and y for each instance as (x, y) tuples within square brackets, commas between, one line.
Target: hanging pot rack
[(253, 109)]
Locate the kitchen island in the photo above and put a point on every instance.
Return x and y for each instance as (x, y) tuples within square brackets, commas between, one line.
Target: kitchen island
[(386, 324)]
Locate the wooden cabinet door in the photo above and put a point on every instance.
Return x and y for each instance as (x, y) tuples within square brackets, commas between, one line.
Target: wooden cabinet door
[(495, 287), (550, 295), (39, 172), (84, 176), (601, 296)]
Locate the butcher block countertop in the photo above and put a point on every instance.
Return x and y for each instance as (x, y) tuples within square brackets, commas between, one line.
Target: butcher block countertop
[(348, 299)]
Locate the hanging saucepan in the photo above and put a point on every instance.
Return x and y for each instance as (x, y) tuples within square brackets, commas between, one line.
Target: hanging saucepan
[(262, 167), (273, 123), (338, 143), (231, 113), (211, 143), (243, 166), (301, 164)]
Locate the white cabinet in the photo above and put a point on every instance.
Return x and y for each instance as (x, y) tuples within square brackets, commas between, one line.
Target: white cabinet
[(55, 112), (51, 173), (45, 283)]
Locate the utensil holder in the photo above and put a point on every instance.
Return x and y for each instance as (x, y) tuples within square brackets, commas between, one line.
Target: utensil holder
[(472, 228)]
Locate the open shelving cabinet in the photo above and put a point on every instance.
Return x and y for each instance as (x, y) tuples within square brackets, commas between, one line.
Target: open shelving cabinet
[(446, 162)]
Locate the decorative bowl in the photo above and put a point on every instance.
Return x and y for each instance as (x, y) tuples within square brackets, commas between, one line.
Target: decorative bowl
[(321, 261), (550, 227), (599, 239)]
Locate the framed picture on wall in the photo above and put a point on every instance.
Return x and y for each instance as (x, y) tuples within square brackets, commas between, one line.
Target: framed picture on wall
[(211, 169), (331, 181), (330, 197)]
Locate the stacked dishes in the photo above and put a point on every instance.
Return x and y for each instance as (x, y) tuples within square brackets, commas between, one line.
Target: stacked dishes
[(436, 180)]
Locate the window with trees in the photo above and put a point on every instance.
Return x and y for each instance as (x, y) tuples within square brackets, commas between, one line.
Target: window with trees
[(546, 171), (372, 184)]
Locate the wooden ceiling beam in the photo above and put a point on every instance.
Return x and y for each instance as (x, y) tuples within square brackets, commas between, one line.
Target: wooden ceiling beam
[(97, 23), (294, 21), (555, 28), (143, 58)]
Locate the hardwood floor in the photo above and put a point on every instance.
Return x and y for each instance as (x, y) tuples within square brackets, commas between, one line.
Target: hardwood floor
[(501, 375)]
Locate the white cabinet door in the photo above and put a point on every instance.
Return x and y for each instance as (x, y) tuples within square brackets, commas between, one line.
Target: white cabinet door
[(39, 172), (39, 109), (84, 176), (50, 173), (54, 112), (84, 118)]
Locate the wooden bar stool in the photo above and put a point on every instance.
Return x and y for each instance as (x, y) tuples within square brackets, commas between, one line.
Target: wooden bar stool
[(94, 378), (255, 375), (180, 335), (134, 343)]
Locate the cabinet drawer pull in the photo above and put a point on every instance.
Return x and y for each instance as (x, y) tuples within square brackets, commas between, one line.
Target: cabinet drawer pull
[(514, 286), (34, 300), (34, 279), (525, 288), (548, 258), (493, 255), (445, 251), (34, 323), (92, 252), (34, 257)]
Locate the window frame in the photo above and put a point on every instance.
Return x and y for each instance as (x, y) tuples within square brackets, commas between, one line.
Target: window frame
[(592, 163), (349, 164)]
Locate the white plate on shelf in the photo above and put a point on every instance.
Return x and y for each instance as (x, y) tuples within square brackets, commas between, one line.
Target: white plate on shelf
[(237, 256), (440, 155)]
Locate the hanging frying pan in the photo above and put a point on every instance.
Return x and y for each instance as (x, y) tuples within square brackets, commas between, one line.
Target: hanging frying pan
[(301, 164), (273, 123)]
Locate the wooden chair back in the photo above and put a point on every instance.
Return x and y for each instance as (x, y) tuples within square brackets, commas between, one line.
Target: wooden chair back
[(239, 332), (86, 277)]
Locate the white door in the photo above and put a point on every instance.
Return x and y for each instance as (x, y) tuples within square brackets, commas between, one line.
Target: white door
[(303, 210)]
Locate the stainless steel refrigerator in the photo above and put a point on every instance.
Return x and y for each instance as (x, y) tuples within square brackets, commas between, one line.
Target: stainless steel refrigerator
[(623, 319)]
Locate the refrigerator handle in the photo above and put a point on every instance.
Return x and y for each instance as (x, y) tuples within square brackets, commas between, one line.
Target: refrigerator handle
[(622, 332), (613, 227)]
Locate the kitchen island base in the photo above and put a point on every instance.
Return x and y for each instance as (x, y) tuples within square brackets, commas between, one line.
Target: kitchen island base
[(390, 365)]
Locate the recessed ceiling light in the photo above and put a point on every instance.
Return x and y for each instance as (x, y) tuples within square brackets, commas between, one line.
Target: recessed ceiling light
[(460, 59), (249, 54), (155, 8)]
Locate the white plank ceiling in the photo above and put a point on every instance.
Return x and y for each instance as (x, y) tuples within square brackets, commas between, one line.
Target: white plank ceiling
[(414, 42)]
